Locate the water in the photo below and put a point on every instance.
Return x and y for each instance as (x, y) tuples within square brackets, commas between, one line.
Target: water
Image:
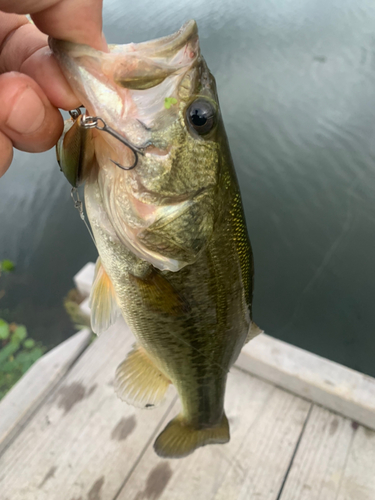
[(296, 82)]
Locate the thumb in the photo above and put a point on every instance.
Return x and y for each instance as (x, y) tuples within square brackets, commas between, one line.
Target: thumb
[(27, 118)]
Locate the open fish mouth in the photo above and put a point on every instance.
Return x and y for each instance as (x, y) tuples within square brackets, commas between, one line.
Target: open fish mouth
[(128, 86)]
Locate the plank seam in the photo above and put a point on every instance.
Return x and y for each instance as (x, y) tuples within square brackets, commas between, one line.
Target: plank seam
[(141, 455), (345, 465), (294, 453)]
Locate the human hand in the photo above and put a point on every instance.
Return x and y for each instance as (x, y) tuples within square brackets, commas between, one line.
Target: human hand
[(32, 86)]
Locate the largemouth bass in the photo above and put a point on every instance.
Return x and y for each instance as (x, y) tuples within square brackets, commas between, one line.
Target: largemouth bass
[(166, 213)]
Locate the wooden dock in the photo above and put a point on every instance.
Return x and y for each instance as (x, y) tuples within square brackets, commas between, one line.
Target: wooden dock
[(302, 428)]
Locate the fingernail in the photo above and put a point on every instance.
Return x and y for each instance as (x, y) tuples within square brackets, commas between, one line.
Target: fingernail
[(27, 113)]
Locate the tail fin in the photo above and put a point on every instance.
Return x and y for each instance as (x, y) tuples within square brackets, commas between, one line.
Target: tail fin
[(180, 439)]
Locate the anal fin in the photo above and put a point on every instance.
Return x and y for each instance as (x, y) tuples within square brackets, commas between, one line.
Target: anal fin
[(103, 303), (139, 382)]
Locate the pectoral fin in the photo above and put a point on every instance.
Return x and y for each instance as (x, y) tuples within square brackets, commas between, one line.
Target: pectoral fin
[(159, 295), (103, 304), (139, 382)]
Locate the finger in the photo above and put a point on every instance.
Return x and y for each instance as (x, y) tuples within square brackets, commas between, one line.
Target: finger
[(27, 117), (77, 21), (6, 153), (25, 49), (44, 69)]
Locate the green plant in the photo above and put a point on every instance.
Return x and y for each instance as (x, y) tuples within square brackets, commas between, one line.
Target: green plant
[(6, 266), (17, 353)]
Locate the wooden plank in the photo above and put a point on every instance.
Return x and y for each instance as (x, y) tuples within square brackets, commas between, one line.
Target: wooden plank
[(335, 461), (83, 441), (22, 400), (319, 465), (358, 481), (84, 278), (85, 308), (266, 423), (325, 382)]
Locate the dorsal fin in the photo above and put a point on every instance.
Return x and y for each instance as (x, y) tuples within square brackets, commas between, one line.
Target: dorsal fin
[(103, 303)]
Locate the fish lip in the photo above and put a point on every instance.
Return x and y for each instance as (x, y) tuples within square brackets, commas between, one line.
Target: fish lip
[(152, 212), (171, 43), (149, 150), (60, 47), (153, 48), (162, 201)]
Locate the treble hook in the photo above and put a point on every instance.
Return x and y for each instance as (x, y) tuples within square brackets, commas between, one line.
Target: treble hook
[(99, 124)]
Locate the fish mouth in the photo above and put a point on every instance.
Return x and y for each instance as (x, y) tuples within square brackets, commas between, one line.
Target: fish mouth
[(162, 47), (129, 84), (135, 66), (151, 201)]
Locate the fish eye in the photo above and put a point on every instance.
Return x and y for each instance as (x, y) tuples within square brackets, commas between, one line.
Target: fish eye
[(201, 116)]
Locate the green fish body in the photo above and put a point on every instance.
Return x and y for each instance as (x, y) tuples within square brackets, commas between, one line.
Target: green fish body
[(174, 255)]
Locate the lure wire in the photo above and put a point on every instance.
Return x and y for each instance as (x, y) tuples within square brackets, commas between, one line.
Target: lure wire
[(79, 206)]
